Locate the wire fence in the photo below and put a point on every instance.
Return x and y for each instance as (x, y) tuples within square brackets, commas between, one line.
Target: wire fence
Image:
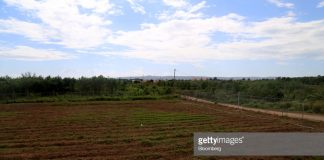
[(273, 103)]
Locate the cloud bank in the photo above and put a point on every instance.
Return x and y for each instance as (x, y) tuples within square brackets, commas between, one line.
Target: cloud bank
[(29, 53), (182, 32)]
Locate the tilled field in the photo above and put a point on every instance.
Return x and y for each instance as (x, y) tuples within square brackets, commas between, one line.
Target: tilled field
[(127, 130)]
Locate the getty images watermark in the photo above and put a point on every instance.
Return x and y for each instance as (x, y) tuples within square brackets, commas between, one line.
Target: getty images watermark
[(259, 144), (216, 142)]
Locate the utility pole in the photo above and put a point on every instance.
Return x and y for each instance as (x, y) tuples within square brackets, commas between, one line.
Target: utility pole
[(173, 82), (174, 72)]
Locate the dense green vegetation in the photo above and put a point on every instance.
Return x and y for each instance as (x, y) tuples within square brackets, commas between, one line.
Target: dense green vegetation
[(32, 88), (295, 94)]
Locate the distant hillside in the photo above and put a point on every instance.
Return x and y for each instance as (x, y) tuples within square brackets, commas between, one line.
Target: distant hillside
[(193, 78), (166, 77)]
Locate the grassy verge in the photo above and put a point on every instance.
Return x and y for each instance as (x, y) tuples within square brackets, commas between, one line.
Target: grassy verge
[(75, 98)]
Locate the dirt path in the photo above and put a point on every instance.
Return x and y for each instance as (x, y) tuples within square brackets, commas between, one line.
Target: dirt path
[(306, 116)]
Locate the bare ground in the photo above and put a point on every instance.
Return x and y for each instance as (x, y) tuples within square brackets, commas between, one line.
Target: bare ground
[(127, 130)]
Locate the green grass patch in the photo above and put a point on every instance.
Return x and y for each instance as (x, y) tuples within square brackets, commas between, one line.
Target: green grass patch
[(80, 98), (3, 146), (7, 114), (158, 138), (148, 156), (83, 117), (128, 140), (144, 116), (148, 143), (181, 135), (105, 141)]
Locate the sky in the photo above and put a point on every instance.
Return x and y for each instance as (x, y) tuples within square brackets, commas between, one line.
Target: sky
[(117, 38)]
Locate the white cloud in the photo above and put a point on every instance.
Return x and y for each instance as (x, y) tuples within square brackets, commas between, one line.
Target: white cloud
[(191, 40), (33, 54), (281, 4), (190, 11), (136, 6), (97, 6), (320, 4), (176, 3), (65, 22), (184, 34), (30, 30)]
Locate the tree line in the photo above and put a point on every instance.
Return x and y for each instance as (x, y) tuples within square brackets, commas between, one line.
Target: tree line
[(33, 85), (294, 94), (278, 88), (310, 89)]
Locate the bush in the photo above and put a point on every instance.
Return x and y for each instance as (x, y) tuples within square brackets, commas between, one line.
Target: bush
[(317, 107), (285, 105)]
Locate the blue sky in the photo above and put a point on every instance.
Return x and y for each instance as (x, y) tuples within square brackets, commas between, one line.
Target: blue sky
[(116, 38)]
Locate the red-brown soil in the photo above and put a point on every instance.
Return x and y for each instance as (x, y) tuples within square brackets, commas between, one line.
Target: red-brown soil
[(127, 130)]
